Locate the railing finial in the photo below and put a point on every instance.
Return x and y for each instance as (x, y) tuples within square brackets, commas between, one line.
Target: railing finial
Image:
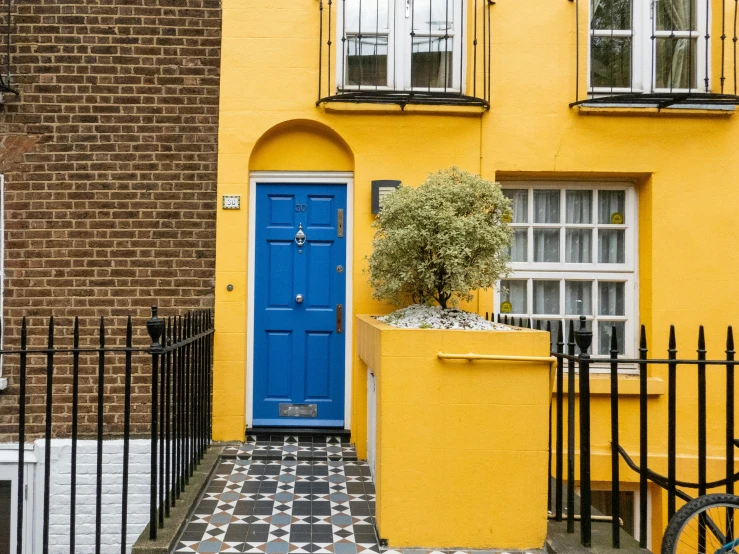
[(583, 337), (155, 328)]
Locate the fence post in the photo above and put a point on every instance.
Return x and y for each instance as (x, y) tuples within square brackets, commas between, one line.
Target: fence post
[(155, 328), (584, 339), (559, 465)]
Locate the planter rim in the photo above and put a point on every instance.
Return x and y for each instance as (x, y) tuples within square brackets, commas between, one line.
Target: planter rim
[(372, 320)]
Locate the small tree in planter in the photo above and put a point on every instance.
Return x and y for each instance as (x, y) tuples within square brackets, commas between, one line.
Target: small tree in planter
[(440, 241)]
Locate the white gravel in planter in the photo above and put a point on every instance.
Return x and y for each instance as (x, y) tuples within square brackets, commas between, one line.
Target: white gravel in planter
[(419, 316)]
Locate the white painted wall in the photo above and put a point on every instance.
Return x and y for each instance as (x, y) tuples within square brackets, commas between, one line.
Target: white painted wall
[(60, 496), (138, 493)]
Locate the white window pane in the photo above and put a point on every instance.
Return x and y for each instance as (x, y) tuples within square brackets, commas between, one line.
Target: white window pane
[(432, 62), (610, 14), (546, 245), (513, 298), (432, 16), (611, 298), (611, 206), (611, 246), (366, 61), (579, 298), (373, 17), (546, 297), (610, 59), (605, 330), (520, 245), (546, 206), (676, 15), (579, 206), (578, 246), (674, 64), (520, 200)]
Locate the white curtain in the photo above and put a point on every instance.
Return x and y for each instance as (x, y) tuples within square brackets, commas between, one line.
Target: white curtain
[(605, 330), (611, 246), (678, 19), (519, 246), (579, 206), (546, 297), (515, 293), (520, 200), (546, 206), (578, 246), (610, 202), (611, 298), (579, 298), (579, 210), (546, 245)]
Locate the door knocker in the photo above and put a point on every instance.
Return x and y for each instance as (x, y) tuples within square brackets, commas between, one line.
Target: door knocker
[(300, 238)]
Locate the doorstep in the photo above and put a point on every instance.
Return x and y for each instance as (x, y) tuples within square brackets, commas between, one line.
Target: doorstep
[(303, 447)]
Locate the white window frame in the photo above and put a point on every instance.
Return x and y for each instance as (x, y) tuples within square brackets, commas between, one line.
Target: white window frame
[(643, 55), (31, 512), (400, 48), (594, 272)]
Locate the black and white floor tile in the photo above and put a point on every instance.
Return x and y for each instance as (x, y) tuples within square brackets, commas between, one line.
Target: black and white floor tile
[(268, 499)]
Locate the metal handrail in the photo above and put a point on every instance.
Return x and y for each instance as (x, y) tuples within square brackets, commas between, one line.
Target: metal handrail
[(552, 360)]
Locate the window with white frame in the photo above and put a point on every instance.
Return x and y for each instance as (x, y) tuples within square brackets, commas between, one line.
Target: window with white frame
[(573, 254), (647, 45), (400, 45)]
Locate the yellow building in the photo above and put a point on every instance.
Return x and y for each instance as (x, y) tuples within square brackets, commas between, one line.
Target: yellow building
[(611, 125)]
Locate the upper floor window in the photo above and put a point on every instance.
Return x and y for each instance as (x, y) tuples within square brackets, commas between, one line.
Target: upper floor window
[(653, 46), (401, 45), (405, 52)]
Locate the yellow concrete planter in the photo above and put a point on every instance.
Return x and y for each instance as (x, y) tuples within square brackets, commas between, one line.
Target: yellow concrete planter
[(461, 446)]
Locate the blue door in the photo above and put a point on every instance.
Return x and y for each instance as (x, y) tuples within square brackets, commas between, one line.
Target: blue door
[(300, 305)]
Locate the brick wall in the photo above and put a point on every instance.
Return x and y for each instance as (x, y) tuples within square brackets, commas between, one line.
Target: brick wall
[(109, 155)]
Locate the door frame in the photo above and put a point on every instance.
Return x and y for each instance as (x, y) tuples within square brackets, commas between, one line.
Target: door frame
[(300, 178)]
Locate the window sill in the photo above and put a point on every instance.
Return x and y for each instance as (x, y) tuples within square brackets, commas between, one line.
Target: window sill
[(388, 102), (692, 110), (628, 385)]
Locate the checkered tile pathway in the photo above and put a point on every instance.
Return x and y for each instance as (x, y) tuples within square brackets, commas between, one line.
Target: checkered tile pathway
[(265, 497)]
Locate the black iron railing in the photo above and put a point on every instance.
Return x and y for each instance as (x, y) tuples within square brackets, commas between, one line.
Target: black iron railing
[(179, 412), (574, 367), (6, 48), (682, 53), (378, 52)]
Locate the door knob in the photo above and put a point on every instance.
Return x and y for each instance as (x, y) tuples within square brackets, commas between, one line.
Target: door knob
[(299, 299)]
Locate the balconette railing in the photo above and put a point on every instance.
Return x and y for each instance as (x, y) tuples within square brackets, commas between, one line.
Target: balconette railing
[(657, 53), (430, 52)]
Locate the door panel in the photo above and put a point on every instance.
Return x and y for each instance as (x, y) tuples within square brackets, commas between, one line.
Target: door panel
[(298, 355)]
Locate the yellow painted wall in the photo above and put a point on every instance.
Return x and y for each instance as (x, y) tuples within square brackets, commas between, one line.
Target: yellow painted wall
[(685, 167), (455, 439)]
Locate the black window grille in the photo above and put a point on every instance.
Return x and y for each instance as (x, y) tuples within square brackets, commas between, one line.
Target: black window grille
[(432, 52)]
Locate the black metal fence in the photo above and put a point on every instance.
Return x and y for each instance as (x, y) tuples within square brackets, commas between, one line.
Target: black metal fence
[(179, 413), (576, 366), (362, 44), (657, 53), (5, 47)]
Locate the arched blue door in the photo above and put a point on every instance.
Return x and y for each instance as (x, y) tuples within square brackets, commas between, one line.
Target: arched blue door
[(299, 305)]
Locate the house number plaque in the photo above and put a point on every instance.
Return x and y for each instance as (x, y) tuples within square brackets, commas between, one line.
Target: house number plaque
[(231, 202)]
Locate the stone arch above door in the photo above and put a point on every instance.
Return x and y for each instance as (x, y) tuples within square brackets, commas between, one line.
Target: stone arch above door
[(301, 145)]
